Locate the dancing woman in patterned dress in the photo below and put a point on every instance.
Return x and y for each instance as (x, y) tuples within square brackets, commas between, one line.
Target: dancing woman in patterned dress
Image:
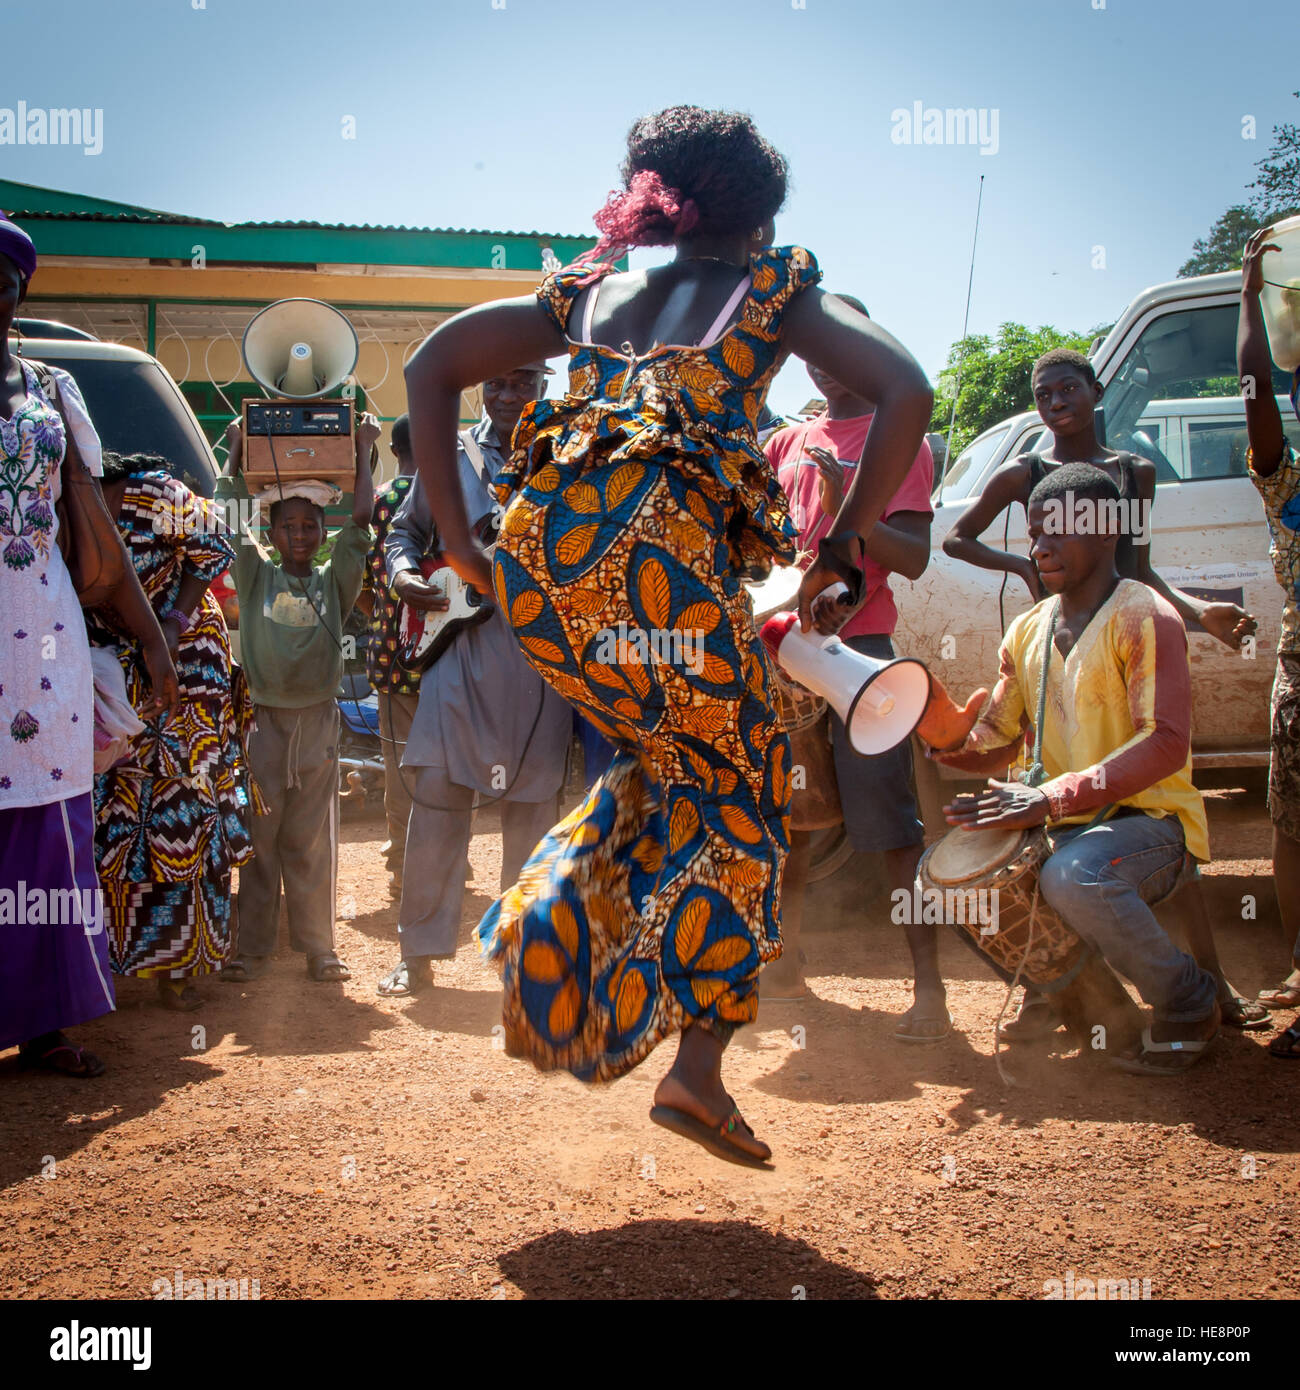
[(637, 504)]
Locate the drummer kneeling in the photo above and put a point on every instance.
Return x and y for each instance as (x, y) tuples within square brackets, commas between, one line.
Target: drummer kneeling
[(1116, 721)]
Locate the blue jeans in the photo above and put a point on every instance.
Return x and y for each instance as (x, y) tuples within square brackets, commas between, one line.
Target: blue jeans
[(1101, 879)]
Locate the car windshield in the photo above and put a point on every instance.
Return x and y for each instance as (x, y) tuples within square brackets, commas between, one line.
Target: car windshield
[(969, 467), (136, 410)]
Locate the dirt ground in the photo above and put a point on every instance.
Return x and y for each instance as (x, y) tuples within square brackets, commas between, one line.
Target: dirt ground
[(326, 1142)]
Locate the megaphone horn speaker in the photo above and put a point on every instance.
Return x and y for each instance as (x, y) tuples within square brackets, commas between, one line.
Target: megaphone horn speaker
[(299, 348), (879, 702)]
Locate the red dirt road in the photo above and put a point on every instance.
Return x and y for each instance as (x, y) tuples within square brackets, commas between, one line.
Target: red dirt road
[(326, 1142)]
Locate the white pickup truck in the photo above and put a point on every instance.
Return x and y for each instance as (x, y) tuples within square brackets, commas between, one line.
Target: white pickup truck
[(1169, 369)]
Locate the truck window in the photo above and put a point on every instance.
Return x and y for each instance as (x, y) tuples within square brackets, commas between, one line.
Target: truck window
[(1187, 355)]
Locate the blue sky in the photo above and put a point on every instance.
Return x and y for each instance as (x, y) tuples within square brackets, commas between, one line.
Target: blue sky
[(1119, 125)]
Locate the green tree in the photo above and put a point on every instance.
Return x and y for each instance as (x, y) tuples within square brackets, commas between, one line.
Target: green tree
[(995, 378), (1277, 189), (1222, 248), (1276, 195)]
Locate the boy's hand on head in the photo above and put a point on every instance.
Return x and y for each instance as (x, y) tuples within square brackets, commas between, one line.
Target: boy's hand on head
[(1252, 260), (368, 432), (234, 445), (1228, 622)]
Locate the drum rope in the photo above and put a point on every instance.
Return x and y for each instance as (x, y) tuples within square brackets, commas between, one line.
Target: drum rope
[(1031, 776)]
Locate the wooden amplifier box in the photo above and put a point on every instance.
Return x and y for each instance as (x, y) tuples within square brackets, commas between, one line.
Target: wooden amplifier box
[(302, 439)]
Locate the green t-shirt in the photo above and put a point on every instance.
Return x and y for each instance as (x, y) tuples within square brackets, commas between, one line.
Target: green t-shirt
[(290, 657)]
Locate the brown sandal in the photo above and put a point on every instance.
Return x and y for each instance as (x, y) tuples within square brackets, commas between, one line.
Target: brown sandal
[(717, 1138)]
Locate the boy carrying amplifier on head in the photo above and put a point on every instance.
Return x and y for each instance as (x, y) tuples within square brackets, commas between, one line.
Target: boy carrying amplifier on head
[(291, 618)]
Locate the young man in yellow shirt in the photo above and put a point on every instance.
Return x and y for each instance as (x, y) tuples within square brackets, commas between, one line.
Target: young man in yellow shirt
[(1116, 729)]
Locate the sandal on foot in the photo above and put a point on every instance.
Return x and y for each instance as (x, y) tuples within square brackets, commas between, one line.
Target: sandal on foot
[(1286, 1046), (717, 1138), (901, 1035), (1179, 1055), (327, 970), (1037, 1019), (1285, 996), (242, 969), (63, 1057), (1237, 1012), (404, 981), (181, 1001)]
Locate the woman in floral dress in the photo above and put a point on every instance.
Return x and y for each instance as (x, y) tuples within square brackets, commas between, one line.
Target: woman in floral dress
[(54, 969), (639, 502), (172, 817)]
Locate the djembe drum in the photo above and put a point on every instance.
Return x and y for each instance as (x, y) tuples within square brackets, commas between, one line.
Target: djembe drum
[(1025, 936)]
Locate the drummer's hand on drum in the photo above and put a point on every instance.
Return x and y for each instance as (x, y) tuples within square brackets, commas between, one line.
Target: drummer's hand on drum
[(417, 592), (1000, 806), (470, 561)]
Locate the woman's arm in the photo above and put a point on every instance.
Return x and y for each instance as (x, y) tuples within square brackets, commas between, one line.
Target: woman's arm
[(1255, 364), (872, 364), (130, 609), (487, 341)]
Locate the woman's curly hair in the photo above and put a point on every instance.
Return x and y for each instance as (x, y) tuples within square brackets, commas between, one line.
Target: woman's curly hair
[(690, 170)]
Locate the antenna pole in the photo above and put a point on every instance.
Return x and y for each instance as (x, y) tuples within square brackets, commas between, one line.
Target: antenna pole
[(965, 323)]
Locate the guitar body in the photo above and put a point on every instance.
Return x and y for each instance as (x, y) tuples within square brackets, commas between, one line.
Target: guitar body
[(423, 636)]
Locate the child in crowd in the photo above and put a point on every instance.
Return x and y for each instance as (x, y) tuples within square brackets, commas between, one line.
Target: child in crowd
[(1067, 393), (1274, 471), (291, 618)]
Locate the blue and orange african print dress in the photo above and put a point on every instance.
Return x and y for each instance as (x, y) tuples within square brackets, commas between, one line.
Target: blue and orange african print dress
[(640, 504)]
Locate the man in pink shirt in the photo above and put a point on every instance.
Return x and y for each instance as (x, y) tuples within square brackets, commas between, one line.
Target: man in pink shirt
[(814, 463)]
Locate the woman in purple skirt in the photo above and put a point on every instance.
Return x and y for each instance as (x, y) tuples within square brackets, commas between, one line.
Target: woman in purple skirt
[(54, 969)]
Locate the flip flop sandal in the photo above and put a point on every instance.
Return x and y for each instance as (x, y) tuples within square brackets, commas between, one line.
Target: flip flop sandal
[(1186, 1055), (715, 1138), (84, 1066), (401, 983), (327, 970), (902, 1037), (1283, 997), (185, 1002), (1243, 1014), (1286, 1046), (242, 969)]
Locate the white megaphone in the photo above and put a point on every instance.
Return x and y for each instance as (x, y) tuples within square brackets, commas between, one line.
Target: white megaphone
[(880, 702), (299, 348)]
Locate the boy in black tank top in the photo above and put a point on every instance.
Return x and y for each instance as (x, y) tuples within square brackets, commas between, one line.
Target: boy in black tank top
[(1066, 393)]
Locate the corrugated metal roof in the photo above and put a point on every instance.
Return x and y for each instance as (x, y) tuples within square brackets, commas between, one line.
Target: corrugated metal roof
[(95, 210)]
